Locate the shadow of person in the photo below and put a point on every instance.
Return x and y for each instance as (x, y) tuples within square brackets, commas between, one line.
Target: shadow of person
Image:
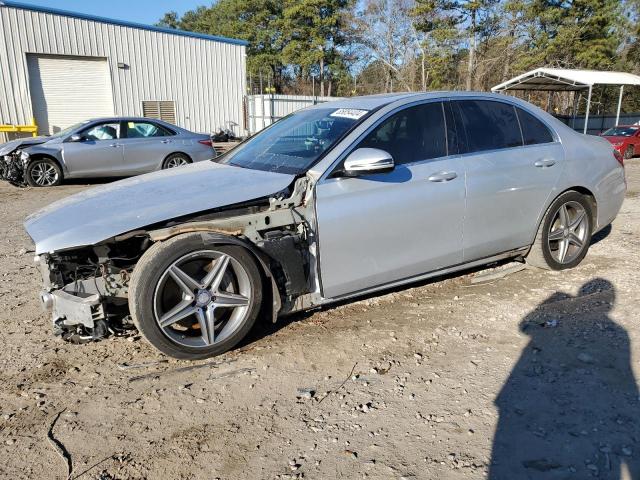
[(570, 407)]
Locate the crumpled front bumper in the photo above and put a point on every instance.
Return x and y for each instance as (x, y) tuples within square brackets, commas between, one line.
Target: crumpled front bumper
[(72, 308), (77, 303)]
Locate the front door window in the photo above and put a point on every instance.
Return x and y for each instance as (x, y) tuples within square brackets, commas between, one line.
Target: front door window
[(104, 131)]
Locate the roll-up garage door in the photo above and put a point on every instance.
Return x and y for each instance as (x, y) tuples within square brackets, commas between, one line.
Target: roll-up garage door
[(67, 90)]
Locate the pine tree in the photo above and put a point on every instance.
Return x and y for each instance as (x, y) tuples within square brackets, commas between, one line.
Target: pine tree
[(313, 32)]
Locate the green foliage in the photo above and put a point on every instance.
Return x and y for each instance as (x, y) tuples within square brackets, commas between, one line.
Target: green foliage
[(284, 36), (441, 26), (578, 33), (441, 44), (313, 30)]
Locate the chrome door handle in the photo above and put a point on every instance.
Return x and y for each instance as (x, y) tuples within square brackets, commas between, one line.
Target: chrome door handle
[(545, 163), (442, 176), (115, 145), (165, 141)]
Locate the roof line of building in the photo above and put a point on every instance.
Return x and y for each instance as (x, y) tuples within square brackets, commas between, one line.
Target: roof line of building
[(123, 23)]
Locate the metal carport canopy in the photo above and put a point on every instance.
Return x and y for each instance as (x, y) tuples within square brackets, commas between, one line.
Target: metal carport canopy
[(559, 79)]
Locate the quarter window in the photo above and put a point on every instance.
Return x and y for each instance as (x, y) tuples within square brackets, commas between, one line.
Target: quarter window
[(413, 134), (489, 125), (533, 130), (104, 131)]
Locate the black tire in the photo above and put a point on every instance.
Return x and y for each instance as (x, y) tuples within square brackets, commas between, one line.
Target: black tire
[(176, 160), (146, 280), (545, 253), (629, 152), (43, 172)]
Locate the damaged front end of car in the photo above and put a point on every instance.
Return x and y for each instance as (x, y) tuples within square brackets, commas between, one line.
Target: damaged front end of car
[(12, 167), (86, 289)]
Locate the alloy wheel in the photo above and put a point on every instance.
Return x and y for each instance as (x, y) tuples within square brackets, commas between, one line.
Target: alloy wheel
[(202, 298), (44, 174), (176, 162), (568, 232)]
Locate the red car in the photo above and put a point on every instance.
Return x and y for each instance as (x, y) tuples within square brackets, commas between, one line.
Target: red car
[(625, 139)]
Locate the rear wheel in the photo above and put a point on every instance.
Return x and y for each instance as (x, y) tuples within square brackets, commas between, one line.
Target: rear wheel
[(176, 160), (629, 152), (43, 172), (564, 234), (193, 301)]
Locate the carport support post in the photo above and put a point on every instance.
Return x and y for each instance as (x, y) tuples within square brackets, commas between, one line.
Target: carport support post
[(586, 117), (619, 105), (576, 101)]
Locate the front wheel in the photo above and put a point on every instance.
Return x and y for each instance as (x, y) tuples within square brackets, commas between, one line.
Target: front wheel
[(192, 300), (629, 152), (43, 172), (564, 234)]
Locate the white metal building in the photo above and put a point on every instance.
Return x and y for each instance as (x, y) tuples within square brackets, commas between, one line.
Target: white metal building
[(62, 67)]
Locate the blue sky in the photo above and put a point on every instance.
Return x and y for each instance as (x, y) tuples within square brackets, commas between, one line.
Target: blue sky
[(140, 11)]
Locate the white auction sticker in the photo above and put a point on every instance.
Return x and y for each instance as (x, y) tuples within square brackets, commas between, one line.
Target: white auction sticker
[(351, 113)]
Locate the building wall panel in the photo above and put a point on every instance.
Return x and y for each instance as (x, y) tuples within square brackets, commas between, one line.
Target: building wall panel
[(205, 78)]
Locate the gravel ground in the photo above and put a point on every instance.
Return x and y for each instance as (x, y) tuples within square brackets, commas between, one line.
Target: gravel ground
[(528, 376)]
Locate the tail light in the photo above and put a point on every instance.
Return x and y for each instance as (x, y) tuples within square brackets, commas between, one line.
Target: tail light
[(619, 157), (208, 143)]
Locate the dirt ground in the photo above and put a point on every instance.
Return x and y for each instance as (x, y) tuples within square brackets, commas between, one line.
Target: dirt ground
[(528, 376)]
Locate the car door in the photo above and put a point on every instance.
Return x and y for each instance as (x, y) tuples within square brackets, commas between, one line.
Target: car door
[(97, 153), (380, 228), (146, 145), (512, 162)]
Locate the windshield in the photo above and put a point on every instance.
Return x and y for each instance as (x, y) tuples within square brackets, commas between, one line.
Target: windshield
[(292, 145), (68, 130), (620, 132)]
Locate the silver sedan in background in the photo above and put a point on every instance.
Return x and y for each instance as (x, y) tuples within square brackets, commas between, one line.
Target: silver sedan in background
[(105, 147)]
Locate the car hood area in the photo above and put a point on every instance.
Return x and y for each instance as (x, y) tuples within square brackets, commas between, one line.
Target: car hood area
[(8, 147), (103, 212)]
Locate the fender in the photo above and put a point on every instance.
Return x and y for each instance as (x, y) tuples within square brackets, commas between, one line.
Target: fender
[(214, 238)]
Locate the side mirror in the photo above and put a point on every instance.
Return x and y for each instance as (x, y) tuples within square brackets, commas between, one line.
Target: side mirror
[(76, 137), (365, 161)]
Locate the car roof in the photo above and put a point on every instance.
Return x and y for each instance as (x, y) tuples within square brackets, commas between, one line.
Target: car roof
[(370, 102), (125, 119), (367, 102)]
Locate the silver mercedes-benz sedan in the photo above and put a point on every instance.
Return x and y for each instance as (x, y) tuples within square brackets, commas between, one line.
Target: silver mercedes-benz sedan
[(332, 202), (104, 147)]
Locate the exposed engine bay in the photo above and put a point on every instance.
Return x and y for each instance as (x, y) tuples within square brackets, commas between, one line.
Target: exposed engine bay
[(86, 289), (12, 168), (14, 159)]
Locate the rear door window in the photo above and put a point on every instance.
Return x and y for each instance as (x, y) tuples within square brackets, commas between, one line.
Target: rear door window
[(145, 130), (489, 125), (410, 135), (533, 130)]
